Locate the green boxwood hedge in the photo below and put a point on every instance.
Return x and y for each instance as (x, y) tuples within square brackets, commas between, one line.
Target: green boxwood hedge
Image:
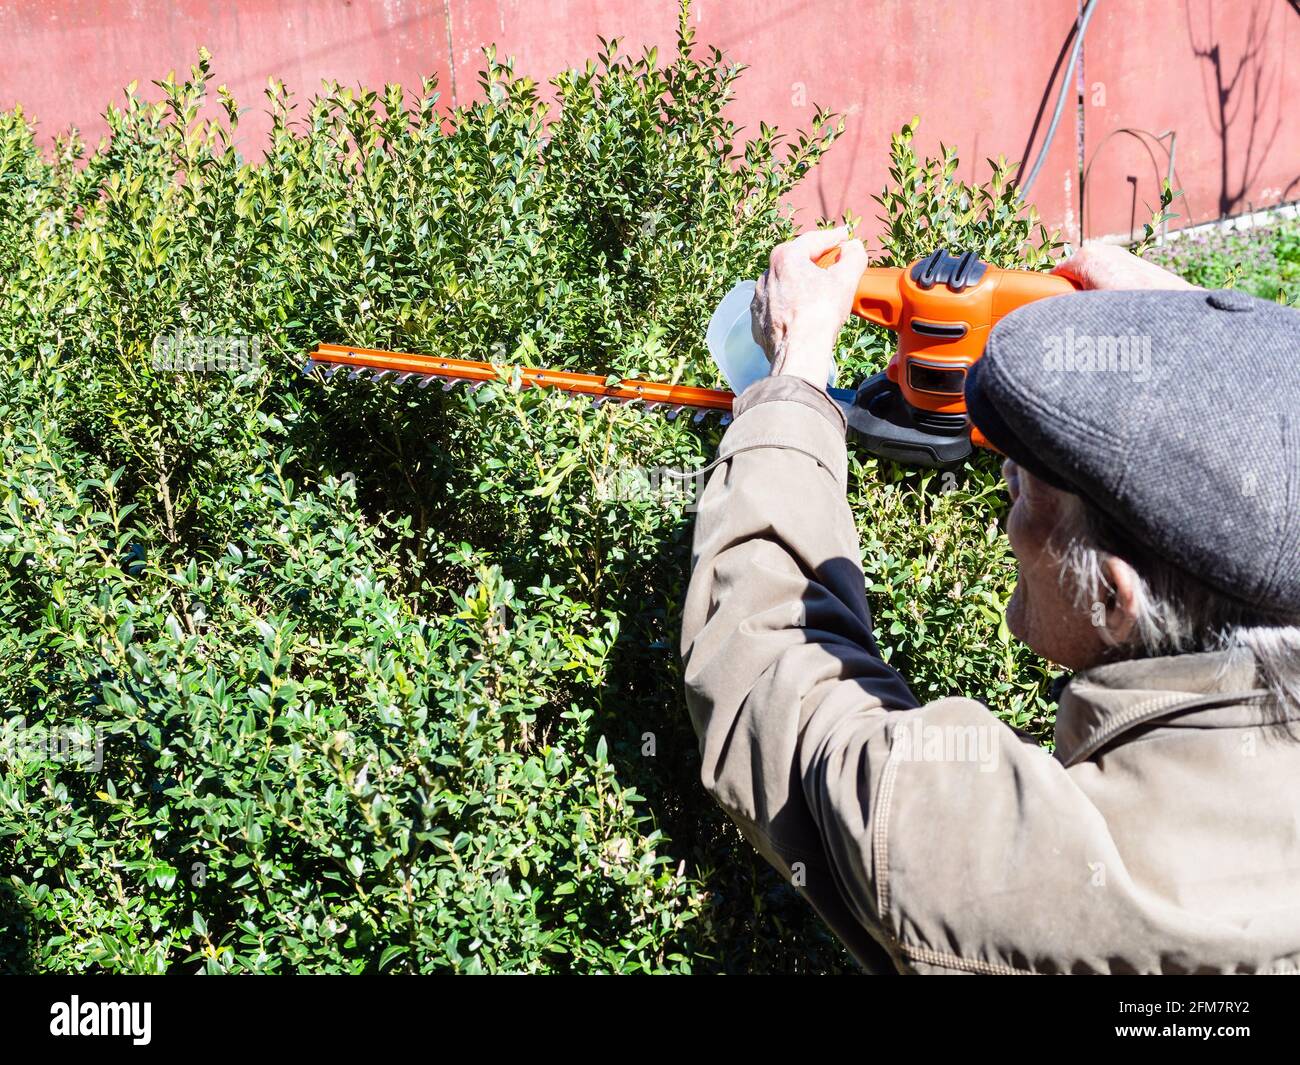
[(318, 677)]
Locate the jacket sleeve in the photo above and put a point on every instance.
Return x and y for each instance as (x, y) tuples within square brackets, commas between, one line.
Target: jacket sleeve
[(927, 837), (786, 687)]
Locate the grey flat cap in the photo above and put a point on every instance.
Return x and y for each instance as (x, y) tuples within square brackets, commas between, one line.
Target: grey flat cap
[(1175, 413)]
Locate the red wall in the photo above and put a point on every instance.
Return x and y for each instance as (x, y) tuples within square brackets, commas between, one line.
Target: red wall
[(1217, 74), (980, 74)]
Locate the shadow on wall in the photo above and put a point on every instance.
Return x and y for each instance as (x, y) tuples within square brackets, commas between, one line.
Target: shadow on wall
[(1050, 92), (1238, 91), (1242, 91)]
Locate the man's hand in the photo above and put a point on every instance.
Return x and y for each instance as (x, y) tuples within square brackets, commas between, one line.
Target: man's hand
[(798, 307), (1111, 267)]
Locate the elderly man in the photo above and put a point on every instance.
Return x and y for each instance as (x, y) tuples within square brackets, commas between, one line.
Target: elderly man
[(1156, 521)]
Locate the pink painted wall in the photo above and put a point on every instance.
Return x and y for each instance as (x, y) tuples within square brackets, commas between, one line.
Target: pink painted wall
[(1223, 75), (66, 60), (982, 74)]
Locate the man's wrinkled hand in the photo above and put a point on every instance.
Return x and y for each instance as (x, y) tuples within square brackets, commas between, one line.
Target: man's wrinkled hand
[(799, 308), (1106, 266)]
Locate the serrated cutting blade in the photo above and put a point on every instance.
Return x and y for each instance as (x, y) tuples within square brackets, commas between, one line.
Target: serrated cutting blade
[(654, 396)]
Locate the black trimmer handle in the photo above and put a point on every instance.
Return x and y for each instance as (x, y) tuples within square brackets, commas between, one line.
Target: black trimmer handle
[(883, 426)]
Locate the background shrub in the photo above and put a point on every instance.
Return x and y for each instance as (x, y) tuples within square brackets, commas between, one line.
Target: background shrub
[(387, 679), (1263, 260)]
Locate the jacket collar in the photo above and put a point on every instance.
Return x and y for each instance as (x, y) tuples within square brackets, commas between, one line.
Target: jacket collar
[(1217, 688)]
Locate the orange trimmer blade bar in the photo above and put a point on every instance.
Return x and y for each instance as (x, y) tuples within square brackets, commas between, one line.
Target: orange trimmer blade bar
[(423, 370)]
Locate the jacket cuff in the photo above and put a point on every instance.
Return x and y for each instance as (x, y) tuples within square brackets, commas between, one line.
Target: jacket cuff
[(789, 413), (793, 390)]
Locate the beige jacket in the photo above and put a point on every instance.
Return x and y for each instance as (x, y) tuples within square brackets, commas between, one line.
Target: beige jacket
[(1162, 836)]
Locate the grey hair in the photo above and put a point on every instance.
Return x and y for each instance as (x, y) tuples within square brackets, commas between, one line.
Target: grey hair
[(1175, 612)]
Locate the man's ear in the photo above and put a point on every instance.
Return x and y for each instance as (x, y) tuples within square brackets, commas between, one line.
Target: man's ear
[(1122, 607)]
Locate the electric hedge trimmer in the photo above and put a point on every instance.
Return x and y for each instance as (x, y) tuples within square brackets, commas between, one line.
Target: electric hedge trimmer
[(942, 308)]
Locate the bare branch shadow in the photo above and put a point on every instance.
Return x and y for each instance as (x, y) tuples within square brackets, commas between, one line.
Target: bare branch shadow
[(1237, 92)]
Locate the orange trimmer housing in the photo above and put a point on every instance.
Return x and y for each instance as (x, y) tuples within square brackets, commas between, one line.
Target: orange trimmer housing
[(942, 307)]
